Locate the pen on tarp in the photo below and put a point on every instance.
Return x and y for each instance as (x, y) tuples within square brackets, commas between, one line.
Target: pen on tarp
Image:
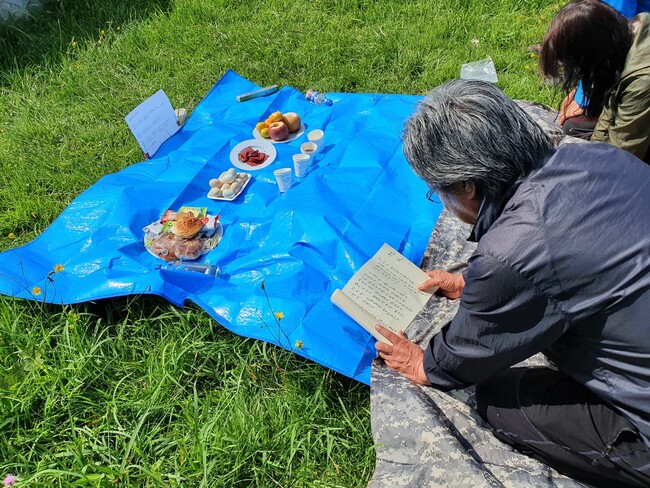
[(457, 268)]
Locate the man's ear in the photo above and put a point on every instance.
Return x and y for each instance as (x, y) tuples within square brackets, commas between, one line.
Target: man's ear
[(468, 189)]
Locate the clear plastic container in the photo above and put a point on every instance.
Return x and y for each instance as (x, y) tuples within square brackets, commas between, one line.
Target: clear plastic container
[(482, 70)]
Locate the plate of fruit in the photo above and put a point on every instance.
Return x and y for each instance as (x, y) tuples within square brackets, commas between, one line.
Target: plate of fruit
[(279, 127)]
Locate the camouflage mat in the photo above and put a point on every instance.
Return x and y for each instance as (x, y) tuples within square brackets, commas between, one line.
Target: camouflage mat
[(428, 438)]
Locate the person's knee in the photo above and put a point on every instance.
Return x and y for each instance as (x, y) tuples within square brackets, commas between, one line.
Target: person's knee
[(498, 392), (485, 394)]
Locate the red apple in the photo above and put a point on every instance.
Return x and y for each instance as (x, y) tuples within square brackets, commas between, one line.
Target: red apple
[(278, 131), (292, 119)]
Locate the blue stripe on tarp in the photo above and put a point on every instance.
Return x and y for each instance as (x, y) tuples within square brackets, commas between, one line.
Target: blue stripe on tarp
[(302, 244)]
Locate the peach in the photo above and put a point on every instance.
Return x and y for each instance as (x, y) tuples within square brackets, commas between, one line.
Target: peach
[(292, 120), (278, 131)]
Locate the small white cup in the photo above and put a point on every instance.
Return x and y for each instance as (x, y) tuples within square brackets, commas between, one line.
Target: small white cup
[(317, 137), (301, 164), (284, 179), (308, 148)]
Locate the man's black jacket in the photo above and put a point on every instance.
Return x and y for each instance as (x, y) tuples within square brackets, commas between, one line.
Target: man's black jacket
[(563, 267)]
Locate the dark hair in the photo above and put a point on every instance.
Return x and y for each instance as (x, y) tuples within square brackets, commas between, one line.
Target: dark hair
[(587, 41), (467, 130)]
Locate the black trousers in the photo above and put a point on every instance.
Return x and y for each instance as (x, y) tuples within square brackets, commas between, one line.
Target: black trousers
[(545, 414), (580, 126)]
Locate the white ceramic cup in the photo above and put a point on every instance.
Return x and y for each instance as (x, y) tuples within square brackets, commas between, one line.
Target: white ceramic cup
[(301, 164), (308, 148), (284, 178), (317, 137)]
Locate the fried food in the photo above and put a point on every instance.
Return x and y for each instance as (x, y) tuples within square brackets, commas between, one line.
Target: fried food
[(187, 227)]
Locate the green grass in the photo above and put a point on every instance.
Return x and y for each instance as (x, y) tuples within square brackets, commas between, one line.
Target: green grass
[(137, 392)]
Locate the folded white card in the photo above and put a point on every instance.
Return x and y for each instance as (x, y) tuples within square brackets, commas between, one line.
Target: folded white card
[(153, 122)]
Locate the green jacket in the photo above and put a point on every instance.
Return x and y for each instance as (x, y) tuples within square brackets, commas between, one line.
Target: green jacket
[(625, 119)]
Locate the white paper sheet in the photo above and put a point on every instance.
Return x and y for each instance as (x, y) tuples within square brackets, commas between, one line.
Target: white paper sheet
[(153, 122)]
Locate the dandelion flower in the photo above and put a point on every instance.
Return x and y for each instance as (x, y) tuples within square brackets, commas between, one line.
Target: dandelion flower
[(36, 291), (299, 344), (279, 315), (11, 235), (58, 268), (103, 32), (74, 43), (10, 479)]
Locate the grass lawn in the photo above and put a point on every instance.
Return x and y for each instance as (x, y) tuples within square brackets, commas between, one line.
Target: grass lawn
[(135, 392)]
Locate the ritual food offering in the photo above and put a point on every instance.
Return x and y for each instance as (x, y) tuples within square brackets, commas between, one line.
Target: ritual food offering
[(278, 131), (183, 235), (252, 157), (229, 185), (187, 228), (280, 127), (308, 148)]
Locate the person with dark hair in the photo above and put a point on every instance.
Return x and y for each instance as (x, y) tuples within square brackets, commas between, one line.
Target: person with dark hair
[(590, 44), (562, 267)]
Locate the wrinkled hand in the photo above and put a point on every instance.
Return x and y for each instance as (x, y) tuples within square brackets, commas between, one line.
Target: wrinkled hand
[(570, 108), (403, 356), (449, 285)]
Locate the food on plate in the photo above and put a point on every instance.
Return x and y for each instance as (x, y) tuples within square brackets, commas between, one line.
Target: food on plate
[(278, 131), (171, 248), (251, 157), (164, 246), (292, 120), (187, 228), (215, 183), (185, 214), (229, 191), (274, 117), (228, 178), (186, 234)]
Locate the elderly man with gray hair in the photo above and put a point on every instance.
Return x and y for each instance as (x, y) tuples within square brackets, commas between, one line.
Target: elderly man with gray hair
[(562, 267)]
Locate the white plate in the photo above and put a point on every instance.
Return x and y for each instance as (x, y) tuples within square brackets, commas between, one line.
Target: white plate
[(236, 194), (292, 135), (262, 146)]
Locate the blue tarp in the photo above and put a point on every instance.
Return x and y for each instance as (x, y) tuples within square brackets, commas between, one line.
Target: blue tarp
[(302, 244)]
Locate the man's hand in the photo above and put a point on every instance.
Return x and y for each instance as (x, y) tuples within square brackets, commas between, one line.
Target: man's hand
[(570, 108), (403, 356), (449, 285)]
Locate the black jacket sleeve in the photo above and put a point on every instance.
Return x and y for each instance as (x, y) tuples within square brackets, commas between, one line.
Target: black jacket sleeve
[(503, 319)]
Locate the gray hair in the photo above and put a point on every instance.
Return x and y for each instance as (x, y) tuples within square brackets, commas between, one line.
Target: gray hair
[(471, 131)]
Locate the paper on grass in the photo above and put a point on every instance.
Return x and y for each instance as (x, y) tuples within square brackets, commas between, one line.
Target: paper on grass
[(153, 122), (384, 291)]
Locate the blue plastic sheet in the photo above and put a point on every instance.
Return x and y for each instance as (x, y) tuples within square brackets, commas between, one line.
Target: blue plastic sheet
[(301, 245)]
